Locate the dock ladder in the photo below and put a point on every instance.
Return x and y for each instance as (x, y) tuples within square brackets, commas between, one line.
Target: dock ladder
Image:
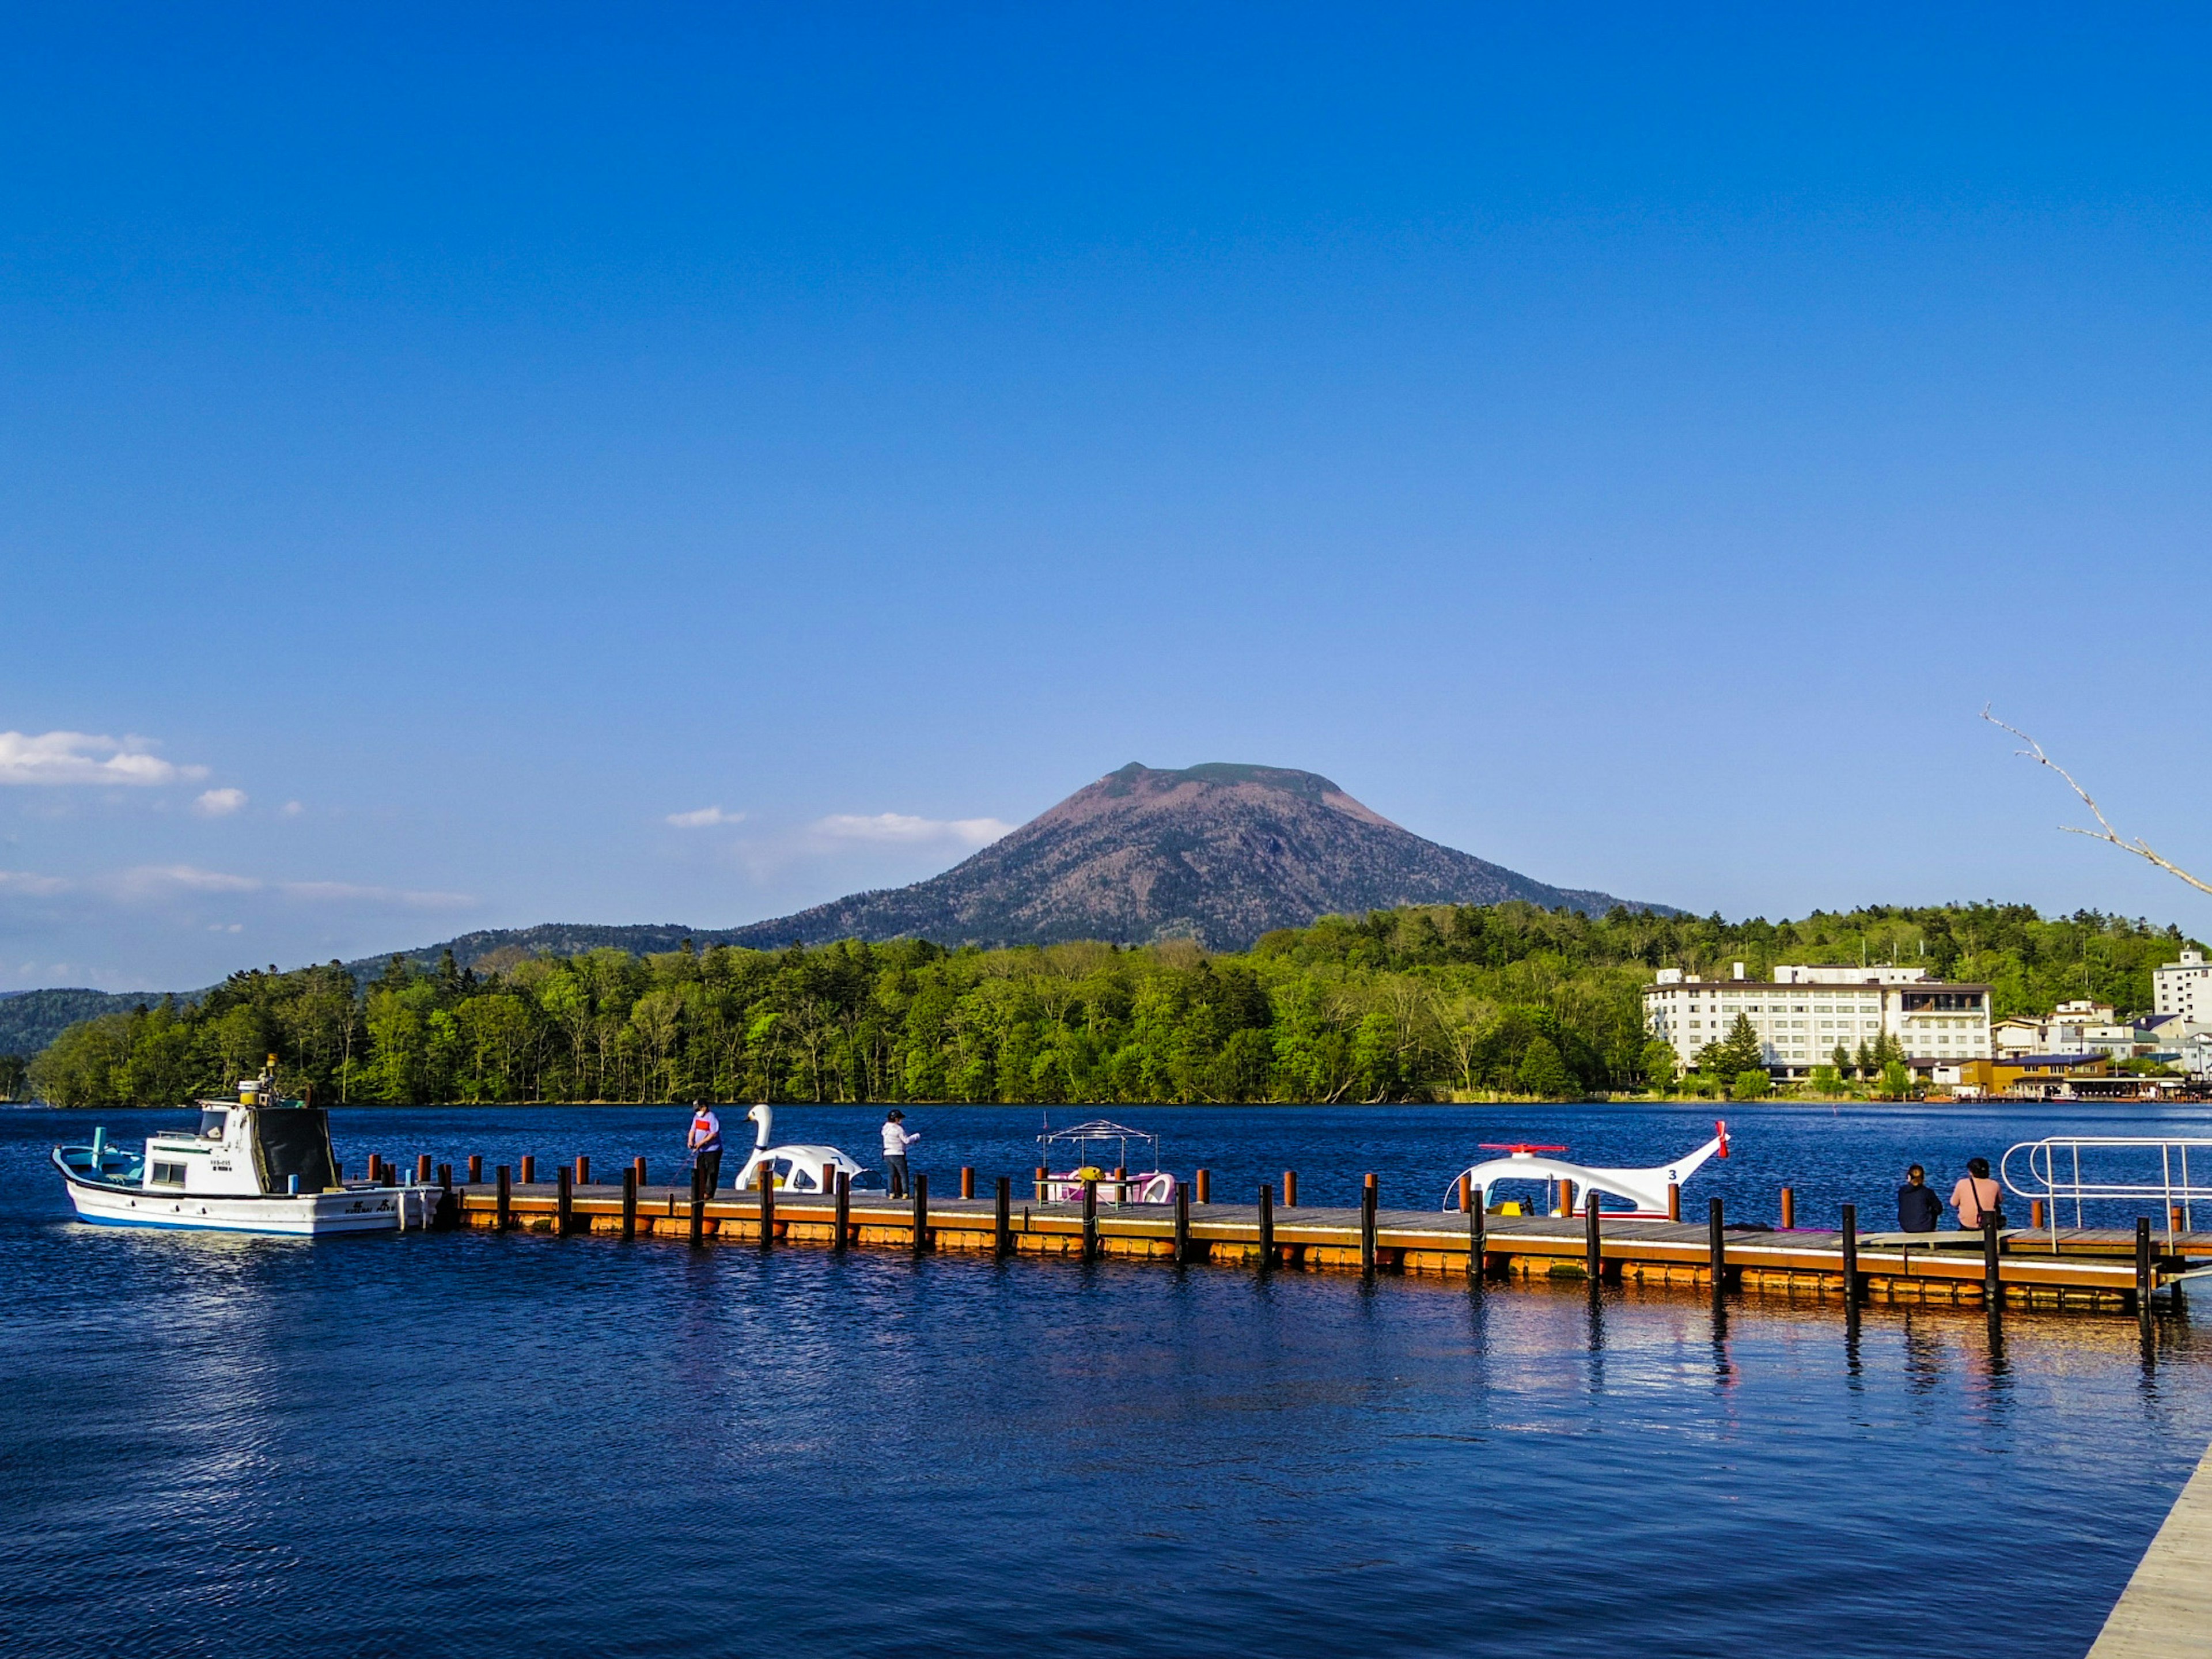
[(2080, 1169)]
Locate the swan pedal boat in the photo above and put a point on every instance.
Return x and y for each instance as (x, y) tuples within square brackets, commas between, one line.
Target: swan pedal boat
[(260, 1165), (793, 1168)]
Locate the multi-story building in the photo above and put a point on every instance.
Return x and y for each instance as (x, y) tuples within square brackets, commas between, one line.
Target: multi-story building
[(2184, 987), (1804, 1014)]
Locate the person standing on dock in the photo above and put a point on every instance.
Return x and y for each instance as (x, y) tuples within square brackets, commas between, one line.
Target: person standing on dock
[(705, 1141), (1977, 1197), (897, 1139), (1918, 1209)]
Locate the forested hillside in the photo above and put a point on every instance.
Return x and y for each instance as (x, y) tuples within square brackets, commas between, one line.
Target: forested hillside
[(1420, 1003)]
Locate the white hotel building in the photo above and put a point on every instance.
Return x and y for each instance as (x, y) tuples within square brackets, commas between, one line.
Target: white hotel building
[(1803, 1014), (2184, 988)]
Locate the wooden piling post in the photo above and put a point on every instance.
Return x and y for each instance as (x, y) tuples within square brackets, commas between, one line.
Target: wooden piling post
[(529, 1168), (583, 1168), (1717, 1249), (2176, 1219), (421, 1169), (1041, 1172), (1851, 1255), (1290, 1189), (2035, 1212), (1090, 1221), (1992, 1282), (844, 1211), (2143, 1281), (446, 1177), (1204, 1181), (638, 1165), (1788, 1209), (1267, 1226), (565, 1201), (1367, 1228), (966, 1182), (1181, 1225), (1002, 1220), (1477, 1226), (1466, 1196), (1673, 1202), (629, 1202), (921, 1215), (1593, 1248), (698, 1205), (766, 1178), (503, 1217), (475, 1169)]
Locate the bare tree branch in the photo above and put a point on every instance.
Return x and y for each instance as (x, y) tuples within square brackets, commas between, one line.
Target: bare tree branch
[(2139, 846)]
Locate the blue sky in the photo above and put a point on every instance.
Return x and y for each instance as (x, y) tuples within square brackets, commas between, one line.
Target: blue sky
[(476, 467)]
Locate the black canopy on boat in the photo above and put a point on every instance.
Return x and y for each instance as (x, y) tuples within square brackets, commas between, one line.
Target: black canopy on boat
[(293, 1140)]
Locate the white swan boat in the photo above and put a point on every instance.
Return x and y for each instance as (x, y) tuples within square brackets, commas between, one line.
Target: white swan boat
[(793, 1168), (1645, 1190), (261, 1164)]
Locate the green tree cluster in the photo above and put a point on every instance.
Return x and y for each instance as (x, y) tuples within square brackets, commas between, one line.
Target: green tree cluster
[(1427, 1002)]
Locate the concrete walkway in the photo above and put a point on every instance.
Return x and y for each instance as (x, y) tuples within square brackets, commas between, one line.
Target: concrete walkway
[(2166, 1611)]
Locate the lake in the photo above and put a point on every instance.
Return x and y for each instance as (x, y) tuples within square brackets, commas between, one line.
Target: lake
[(244, 1446)]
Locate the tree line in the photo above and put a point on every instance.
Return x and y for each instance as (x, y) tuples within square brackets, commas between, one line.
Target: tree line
[(1424, 1003)]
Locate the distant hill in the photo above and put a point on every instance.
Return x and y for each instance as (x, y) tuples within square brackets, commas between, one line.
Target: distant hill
[(29, 1020), (1220, 853)]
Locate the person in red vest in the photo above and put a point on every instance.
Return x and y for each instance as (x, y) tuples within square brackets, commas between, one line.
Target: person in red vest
[(705, 1141)]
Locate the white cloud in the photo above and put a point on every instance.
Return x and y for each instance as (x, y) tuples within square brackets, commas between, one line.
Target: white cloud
[(705, 817), (904, 829), (219, 803), (151, 881), (292, 809), (65, 758), (24, 881), (346, 892)]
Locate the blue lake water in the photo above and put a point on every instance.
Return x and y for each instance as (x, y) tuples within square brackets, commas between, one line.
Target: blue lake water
[(232, 1446)]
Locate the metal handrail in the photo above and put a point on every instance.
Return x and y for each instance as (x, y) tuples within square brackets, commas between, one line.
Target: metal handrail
[(2176, 1189)]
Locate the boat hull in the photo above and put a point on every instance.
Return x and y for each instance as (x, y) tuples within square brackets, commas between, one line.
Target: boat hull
[(308, 1215)]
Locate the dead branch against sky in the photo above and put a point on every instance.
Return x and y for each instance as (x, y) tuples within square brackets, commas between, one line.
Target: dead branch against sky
[(2139, 846)]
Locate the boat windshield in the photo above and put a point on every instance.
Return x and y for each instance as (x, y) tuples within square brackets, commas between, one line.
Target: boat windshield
[(211, 1122)]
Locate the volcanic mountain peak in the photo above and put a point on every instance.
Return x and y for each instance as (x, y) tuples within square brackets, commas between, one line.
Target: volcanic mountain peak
[(1220, 852)]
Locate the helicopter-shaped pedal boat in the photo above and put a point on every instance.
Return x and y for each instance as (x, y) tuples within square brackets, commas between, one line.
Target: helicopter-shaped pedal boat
[(1643, 1191)]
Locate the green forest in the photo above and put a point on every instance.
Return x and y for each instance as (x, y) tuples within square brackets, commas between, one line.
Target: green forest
[(1426, 1003)]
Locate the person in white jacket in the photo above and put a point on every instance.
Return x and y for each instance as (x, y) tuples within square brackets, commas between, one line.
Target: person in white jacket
[(897, 1139)]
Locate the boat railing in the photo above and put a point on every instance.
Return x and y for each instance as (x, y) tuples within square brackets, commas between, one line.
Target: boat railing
[(2083, 1169)]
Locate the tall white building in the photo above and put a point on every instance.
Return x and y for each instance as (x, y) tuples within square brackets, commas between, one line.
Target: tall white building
[(2184, 987), (1804, 1014)]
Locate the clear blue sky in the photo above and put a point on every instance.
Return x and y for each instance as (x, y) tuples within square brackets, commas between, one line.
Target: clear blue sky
[(442, 448)]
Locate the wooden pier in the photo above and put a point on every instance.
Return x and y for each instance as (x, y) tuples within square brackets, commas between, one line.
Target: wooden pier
[(2086, 1269)]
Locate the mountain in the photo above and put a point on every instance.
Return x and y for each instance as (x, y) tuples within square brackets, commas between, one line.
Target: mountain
[(1217, 854), (29, 1020), (1220, 854)]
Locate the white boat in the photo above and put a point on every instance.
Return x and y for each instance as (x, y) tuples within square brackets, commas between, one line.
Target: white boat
[(1644, 1190), (1085, 1150), (793, 1168), (260, 1165)]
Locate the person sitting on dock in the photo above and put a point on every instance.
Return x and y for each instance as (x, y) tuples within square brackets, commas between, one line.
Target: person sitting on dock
[(705, 1141), (1977, 1198), (1918, 1209), (896, 1141)]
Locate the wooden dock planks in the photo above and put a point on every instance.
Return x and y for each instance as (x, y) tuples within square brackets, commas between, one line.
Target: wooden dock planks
[(2091, 1268), (2166, 1611)]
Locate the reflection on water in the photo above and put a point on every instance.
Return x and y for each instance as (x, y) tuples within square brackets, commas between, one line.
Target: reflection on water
[(245, 1446)]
